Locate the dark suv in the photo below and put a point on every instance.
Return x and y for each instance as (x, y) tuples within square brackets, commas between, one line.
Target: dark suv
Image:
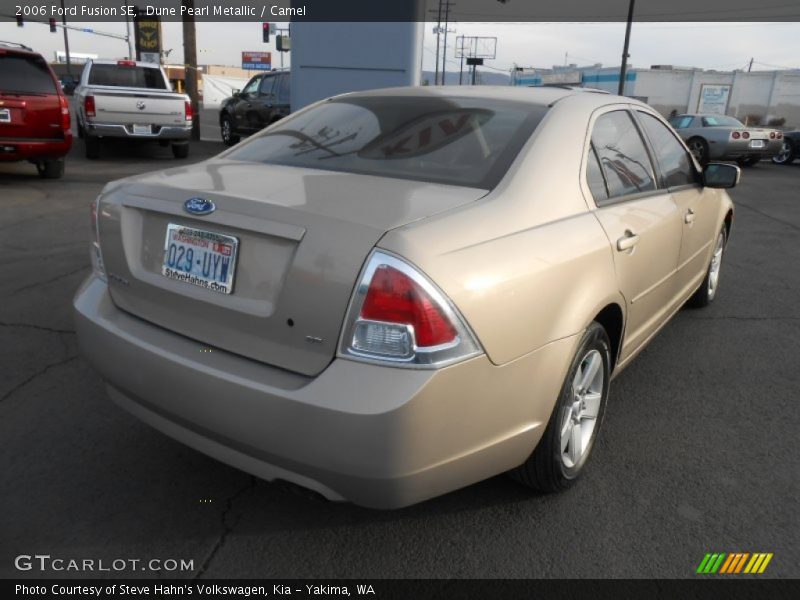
[(264, 100), (34, 113)]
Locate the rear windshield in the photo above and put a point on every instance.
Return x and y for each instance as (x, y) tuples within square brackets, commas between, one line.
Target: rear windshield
[(721, 121), (458, 141), (25, 74), (122, 76)]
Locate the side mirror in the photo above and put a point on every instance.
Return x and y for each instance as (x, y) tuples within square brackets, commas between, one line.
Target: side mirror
[(721, 175), (236, 93)]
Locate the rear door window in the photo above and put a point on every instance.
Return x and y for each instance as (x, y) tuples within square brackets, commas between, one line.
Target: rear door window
[(267, 85), (283, 89), (677, 168), (25, 74), (622, 154), (124, 76)]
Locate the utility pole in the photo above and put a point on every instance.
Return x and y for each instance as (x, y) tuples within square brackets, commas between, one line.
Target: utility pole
[(623, 69), (190, 64), (128, 33), (438, 31), (447, 6), (750, 66), (66, 38)]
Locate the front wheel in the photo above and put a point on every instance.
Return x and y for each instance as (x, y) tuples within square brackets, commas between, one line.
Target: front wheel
[(227, 131), (699, 148), (706, 293), (786, 155), (562, 452)]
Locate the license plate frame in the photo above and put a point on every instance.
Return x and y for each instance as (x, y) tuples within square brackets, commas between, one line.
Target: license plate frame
[(757, 144), (5, 115), (142, 129), (206, 271)]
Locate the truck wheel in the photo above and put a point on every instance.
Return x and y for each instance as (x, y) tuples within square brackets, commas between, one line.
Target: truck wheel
[(180, 150), (92, 147), (228, 132), (81, 134), (51, 169)]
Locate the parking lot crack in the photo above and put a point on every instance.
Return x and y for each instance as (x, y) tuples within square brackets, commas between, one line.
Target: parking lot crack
[(35, 376), (229, 522), (51, 280), (38, 328)]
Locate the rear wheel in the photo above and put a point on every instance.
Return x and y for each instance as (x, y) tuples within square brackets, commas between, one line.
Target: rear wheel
[(228, 132), (786, 155), (567, 442), (706, 293), (92, 147), (699, 148), (51, 169), (748, 161), (180, 150)]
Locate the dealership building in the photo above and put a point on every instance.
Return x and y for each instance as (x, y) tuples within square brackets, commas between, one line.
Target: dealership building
[(758, 96)]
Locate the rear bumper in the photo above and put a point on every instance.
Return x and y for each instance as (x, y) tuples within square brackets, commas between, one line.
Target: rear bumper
[(741, 148), (377, 436), (126, 131), (15, 149)]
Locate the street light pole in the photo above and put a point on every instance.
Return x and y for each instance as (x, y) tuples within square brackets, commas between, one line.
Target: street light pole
[(66, 38), (624, 66), (128, 32), (190, 64)]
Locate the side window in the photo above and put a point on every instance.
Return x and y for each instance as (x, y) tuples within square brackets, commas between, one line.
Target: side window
[(283, 90), (594, 177), (676, 166), (252, 86), (266, 86), (680, 122), (622, 154)]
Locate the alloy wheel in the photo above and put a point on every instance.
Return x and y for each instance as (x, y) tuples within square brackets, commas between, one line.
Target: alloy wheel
[(716, 263), (580, 418)]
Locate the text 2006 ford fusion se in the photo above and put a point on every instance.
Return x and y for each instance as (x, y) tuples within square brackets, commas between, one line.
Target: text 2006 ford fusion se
[(405, 291)]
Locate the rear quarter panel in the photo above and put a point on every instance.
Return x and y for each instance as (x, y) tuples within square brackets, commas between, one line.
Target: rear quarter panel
[(528, 264)]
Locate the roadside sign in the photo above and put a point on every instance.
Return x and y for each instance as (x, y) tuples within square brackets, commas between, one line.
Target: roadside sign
[(258, 61), (713, 99)]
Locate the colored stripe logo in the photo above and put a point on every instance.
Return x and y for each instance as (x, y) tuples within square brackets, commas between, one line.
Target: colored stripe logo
[(733, 563)]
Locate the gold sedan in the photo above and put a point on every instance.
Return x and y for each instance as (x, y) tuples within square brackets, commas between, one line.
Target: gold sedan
[(393, 294)]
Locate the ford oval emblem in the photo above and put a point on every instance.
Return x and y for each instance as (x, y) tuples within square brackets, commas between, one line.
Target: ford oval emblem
[(199, 206)]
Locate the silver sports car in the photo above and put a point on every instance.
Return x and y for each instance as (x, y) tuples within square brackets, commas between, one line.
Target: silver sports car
[(719, 137)]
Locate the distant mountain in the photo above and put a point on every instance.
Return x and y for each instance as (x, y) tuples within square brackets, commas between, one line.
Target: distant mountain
[(483, 77)]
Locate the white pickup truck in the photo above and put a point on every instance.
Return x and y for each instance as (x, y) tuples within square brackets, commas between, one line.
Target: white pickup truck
[(134, 100)]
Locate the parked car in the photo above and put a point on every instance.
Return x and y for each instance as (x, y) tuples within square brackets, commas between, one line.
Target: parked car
[(34, 113), (790, 149), (406, 290), (131, 100), (720, 137), (263, 101)]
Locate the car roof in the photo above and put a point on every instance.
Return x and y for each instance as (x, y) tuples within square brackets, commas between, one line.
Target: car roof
[(537, 96), (17, 48)]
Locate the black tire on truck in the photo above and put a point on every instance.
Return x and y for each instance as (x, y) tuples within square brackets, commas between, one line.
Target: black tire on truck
[(51, 169), (92, 147)]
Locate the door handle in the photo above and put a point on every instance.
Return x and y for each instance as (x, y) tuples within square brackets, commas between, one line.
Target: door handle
[(627, 241), (689, 217)]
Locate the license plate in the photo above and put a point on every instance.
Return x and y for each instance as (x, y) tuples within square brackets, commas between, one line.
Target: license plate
[(5, 115), (142, 130), (756, 143), (202, 258)]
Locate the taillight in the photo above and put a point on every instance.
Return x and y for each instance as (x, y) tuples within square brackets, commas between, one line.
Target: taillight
[(88, 106), (126, 63), (772, 135), (779, 135), (65, 120), (96, 255), (736, 135), (397, 315), (187, 110), (745, 135)]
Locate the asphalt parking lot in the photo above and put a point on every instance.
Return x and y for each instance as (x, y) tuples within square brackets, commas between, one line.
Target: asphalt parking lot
[(698, 451)]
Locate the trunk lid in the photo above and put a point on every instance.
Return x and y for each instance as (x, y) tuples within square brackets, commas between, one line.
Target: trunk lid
[(114, 105), (303, 236)]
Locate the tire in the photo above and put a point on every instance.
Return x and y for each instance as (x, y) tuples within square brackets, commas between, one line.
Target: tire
[(699, 148), (554, 465), (786, 155), (51, 169), (92, 147), (180, 150), (707, 292), (81, 133), (748, 161), (228, 131)]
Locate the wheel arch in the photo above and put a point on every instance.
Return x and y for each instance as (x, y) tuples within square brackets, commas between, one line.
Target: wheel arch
[(612, 318)]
